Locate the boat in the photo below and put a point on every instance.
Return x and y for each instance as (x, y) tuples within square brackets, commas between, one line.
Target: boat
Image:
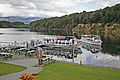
[(91, 39), (59, 40)]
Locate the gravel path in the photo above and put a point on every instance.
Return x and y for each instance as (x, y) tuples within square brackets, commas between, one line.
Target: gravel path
[(29, 63)]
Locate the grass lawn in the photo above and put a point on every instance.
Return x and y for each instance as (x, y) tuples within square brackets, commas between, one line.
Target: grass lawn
[(9, 68), (64, 71)]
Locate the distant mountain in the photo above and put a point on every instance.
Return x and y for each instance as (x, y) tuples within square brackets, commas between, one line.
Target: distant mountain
[(23, 19)]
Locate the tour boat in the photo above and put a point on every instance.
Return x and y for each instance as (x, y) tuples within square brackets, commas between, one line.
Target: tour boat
[(59, 40), (91, 39)]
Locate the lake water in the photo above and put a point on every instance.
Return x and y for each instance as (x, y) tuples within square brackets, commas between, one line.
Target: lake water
[(106, 56), (15, 34)]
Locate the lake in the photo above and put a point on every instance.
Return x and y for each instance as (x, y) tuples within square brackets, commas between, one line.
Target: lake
[(108, 54), (18, 34)]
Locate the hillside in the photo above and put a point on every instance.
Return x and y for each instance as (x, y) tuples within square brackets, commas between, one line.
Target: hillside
[(7, 24), (104, 16), (22, 19)]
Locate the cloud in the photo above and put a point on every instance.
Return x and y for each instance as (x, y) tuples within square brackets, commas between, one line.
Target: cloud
[(50, 7)]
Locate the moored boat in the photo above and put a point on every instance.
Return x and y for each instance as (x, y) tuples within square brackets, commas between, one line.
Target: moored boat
[(91, 39), (59, 40)]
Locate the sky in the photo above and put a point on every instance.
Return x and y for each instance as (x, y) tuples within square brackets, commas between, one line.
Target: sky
[(50, 8)]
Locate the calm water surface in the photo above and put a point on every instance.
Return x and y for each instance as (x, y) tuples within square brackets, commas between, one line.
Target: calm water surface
[(15, 34), (106, 55)]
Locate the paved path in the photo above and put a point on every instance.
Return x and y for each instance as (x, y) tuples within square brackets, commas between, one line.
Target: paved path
[(29, 63)]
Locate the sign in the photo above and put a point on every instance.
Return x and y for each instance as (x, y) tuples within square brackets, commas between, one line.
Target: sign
[(39, 53)]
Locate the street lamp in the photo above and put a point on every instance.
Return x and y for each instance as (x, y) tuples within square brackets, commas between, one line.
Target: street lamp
[(73, 53), (73, 47)]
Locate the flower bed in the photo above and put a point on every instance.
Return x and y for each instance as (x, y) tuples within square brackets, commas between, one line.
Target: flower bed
[(27, 77)]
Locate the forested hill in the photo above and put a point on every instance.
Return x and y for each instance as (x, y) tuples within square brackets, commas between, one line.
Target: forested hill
[(23, 19), (7, 24), (106, 15)]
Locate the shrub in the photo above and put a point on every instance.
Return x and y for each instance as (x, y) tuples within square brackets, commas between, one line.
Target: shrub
[(27, 77)]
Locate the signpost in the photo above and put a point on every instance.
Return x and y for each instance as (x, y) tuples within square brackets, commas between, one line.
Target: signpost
[(39, 55)]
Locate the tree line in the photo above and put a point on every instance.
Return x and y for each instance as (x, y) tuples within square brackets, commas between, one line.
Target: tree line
[(107, 15), (7, 24)]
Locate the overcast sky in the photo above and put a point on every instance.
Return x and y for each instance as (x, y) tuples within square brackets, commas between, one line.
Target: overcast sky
[(50, 8)]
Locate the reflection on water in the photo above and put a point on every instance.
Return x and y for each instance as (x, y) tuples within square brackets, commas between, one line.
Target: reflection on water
[(57, 32), (16, 34), (92, 48), (105, 55), (110, 43), (98, 58)]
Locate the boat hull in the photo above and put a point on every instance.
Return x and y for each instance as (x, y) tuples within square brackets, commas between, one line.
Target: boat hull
[(91, 42)]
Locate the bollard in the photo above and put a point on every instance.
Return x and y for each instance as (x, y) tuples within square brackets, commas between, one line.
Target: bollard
[(80, 62), (39, 61)]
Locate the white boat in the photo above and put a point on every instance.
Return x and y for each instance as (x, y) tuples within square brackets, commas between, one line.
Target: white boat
[(91, 39), (59, 40)]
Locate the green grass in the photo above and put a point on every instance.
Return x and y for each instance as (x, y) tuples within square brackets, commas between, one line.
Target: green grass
[(64, 71), (9, 68)]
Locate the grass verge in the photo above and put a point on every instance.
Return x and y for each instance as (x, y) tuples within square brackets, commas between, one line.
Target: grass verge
[(10, 68), (64, 71)]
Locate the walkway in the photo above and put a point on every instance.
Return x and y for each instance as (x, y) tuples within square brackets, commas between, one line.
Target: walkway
[(29, 63)]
